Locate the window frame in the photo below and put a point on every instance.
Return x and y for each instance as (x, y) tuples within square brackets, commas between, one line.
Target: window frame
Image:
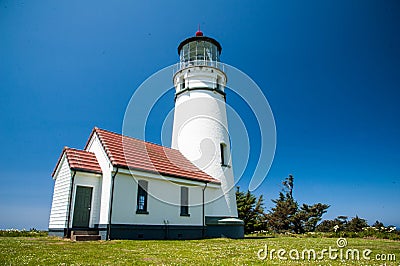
[(184, 208), (141, 207), (224, 155), (183, 84)]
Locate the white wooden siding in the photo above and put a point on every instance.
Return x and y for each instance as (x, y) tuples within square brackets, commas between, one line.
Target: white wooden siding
[(59, 206)]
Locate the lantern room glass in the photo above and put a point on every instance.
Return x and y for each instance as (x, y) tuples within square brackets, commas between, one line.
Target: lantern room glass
[(202, 53)]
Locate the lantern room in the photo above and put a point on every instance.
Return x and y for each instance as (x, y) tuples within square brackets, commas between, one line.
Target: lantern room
[(199, 50)]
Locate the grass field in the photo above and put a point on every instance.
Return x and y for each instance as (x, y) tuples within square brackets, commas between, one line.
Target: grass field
[(54, 251)]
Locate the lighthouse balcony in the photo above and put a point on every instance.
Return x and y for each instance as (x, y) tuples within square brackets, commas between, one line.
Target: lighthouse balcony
[(208, 63)]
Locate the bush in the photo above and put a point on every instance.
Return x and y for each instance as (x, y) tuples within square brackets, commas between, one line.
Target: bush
[(22, 233)]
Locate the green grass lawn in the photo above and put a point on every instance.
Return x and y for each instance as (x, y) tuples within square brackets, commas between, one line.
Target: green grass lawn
[(55, 251)]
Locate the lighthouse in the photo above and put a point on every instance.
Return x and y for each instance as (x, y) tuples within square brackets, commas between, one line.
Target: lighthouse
[(200, 128), (121, 187)]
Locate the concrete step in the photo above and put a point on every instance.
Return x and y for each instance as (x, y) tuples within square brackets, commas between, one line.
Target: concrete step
[(85, 237), (85, 232)]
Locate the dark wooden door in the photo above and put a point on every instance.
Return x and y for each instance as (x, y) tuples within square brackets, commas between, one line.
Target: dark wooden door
[(83, 201)]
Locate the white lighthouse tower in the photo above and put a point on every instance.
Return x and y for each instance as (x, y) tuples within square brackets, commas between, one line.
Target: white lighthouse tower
[(200, 129)]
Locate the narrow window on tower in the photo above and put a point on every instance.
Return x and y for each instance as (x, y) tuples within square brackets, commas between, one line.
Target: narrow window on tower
[(185, 201), (218, 84), (224, 156), (183, 84), (142, 197)]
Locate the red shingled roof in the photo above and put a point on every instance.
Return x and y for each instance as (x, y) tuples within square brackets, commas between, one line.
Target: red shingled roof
[(79, 160), (130, 153)]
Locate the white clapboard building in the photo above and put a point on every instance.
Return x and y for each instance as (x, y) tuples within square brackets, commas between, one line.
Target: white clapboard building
[(119, 187)]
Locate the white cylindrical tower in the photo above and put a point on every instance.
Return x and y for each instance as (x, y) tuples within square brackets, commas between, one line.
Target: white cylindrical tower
[(200, 129)]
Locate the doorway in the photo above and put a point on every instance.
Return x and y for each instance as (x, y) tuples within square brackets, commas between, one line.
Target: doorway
[(82, 207)]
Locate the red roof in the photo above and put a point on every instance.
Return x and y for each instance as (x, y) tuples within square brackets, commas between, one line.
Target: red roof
[(130, 153), (79, 160)]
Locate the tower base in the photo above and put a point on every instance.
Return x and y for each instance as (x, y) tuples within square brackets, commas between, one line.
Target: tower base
[(229, 227)]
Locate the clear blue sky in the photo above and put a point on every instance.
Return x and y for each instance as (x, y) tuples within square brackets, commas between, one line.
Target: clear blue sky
[(329, 69)]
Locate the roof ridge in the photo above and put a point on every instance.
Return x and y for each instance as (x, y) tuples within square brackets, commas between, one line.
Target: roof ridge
[(153, 157), (76, 149), (126, 136), (77, 159)]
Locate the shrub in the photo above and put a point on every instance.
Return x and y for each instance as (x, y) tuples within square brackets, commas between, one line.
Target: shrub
[(22, 233)]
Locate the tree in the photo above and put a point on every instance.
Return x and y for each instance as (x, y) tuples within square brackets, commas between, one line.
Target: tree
[(281, 217), (337, 224), (309, 216), (287, 216), (250, 210), (378, 225), (342, 220), (356, 224), (259, 214), (288, 184), (326, 226)]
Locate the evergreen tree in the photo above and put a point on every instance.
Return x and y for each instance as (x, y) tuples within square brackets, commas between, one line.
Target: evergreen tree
[(341, 220), (378, 225), (259, 214), (287, 216), (327, 226), (356, 224), (282, 218), (306, 219), (313, 215), (250, 210)]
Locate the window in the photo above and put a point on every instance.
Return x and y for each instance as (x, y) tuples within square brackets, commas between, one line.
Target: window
[(223, 154), (185, 201), (142, 197), (183, 85)]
